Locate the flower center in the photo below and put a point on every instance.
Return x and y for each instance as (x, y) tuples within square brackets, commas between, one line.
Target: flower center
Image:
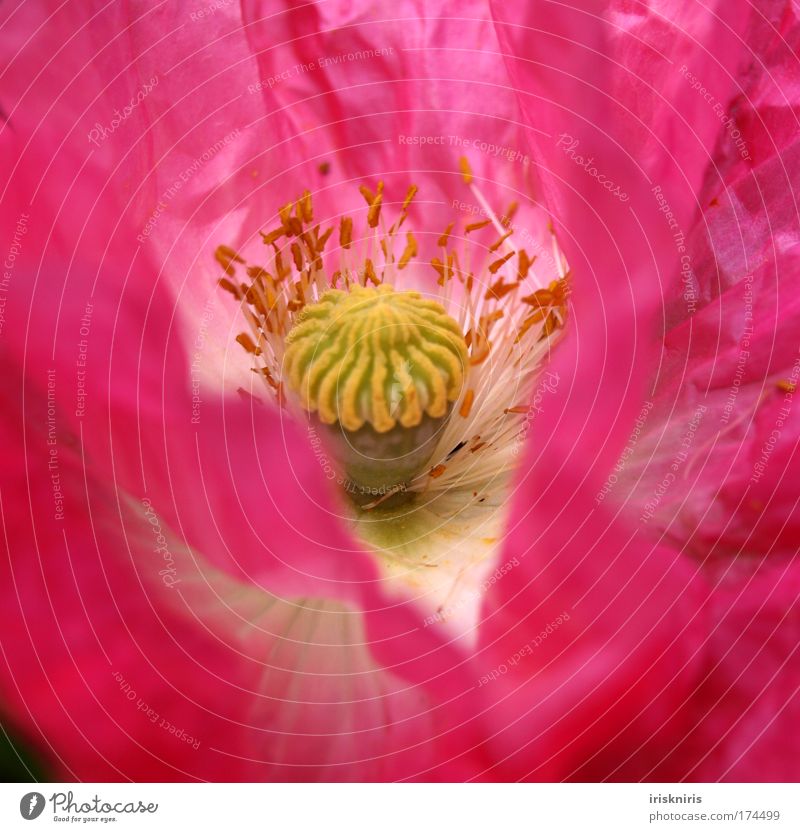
[(406, 395), (380, 370)]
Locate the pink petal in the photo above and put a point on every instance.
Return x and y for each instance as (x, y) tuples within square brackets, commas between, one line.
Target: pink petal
[(742, 718), (356, 83), (109, 679), (740, 342), (593, 689)]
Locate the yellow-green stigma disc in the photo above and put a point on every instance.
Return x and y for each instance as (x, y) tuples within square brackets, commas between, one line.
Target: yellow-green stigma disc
[(381, 369)]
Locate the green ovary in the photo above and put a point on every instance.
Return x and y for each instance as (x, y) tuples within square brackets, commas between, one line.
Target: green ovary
[(379, 370)]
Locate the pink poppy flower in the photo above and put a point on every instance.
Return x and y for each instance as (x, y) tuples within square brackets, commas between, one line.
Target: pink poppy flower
[(589, 570)]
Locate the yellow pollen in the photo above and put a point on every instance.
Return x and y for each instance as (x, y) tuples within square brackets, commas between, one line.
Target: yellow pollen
[(375, 356), (409, 251), (346, 232), (443, 240), (466, 170), (409, 196)]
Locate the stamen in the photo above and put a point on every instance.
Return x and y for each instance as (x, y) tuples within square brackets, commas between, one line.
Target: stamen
[(346, 232), (466, 170), (408, 252)]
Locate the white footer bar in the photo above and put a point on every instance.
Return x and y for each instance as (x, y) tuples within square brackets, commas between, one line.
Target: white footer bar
[(404, 807)]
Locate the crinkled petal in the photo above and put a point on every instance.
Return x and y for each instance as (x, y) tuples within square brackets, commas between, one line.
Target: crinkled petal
[(724, 394), (740, 723), (104, 675), (590, 646)]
